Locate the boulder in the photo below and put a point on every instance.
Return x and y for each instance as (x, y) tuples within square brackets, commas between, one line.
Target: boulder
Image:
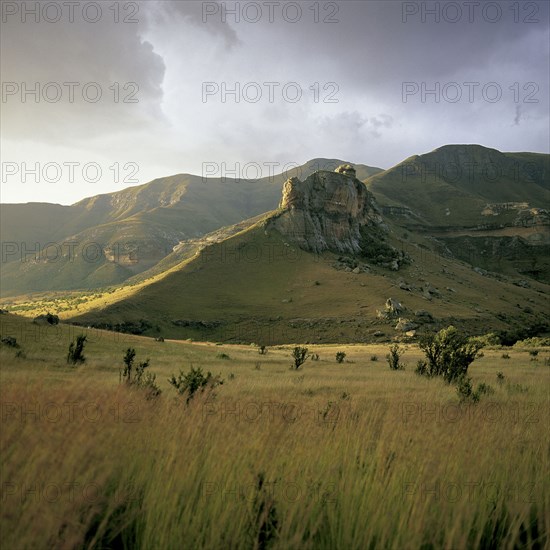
[(405, 325)]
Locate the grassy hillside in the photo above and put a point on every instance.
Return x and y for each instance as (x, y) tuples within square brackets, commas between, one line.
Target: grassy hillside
[(144, 222), (254, 287), (452, 185), (486, 207), (313, 452)]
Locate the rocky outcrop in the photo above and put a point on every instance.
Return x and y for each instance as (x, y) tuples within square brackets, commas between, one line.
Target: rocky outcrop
[(333, 211)]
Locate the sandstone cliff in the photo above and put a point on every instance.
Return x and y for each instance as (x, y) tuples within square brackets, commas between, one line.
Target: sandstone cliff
[(333, 211)]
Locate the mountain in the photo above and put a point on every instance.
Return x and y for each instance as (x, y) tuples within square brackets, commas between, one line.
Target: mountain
[(483, 206), (106, 239), (323, 267)]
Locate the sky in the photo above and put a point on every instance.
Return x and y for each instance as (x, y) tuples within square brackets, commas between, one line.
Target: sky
[(100, 96)]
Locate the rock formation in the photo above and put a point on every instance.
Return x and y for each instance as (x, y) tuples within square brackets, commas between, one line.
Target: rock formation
[(334, 211), (327, 211)]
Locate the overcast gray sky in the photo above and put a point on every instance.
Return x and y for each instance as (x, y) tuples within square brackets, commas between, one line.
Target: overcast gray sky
[(313, 79)]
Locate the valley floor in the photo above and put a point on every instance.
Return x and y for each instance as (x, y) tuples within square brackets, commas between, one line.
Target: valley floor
[(349, 455)]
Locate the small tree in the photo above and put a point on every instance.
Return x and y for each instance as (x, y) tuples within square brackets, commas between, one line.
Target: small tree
[(340, 356), (394, 356), (300, 356), (193, 381), (76, 349), (449, 354)]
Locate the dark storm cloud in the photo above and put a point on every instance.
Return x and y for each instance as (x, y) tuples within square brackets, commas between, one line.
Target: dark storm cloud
[(367, 56)]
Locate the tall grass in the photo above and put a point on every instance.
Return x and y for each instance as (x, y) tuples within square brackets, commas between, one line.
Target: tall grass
[(334, 456)]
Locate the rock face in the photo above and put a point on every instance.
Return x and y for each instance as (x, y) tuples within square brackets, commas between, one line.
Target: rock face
[(328, 211)]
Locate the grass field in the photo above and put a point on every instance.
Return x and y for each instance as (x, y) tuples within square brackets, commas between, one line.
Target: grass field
[(349, 455)]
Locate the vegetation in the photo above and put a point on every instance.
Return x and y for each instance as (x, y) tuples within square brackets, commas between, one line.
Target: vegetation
[(136, 376), (76, 350), (340, 356), (449, 354), (394, 357), (188, 384), (299, 355), (153, 473)]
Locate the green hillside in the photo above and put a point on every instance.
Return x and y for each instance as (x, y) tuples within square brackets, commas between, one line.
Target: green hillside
[(106, 239), (254, 287)]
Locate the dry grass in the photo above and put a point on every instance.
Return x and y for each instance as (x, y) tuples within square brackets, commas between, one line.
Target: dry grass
[(352, 455)]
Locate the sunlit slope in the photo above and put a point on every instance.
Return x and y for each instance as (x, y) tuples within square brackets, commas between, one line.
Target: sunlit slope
[(255, 287), (106, 239)]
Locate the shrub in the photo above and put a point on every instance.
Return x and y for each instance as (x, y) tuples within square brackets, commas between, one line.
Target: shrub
[(505, 356), (47, 318), (315, 357), (10, 341), (76, 350), (137, 377), (533, 352), (500, 377), (466, 391), (489, 339), (340, 356), (421, 368), (193, 381), (394, 356), (485, 389), (449, 354), (300, 356), (223, 356), (374, 357), (262, 350)]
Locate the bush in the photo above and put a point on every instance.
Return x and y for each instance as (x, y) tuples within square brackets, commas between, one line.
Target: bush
[(76, 350), (137, 377), (192, 382), (10, 341), (500, 377), (47, 318), (374, 357), (394, 356), (340, 356), (300, 356), (315, 357), (223, 356), (421, 368), (449, 354), (466, 391), (489, 339), (262, 350), (505, 356)]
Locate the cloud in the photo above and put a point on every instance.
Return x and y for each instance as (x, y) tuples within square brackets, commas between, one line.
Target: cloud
[(363, 59)]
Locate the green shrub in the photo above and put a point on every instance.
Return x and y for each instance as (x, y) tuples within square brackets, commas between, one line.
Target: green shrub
[(505, 356), (223, 356), (374, 357), (421, 368), (394, 356), (76, 350), (194, 381), (262, 350), (466, 391), (340, 356), (500, 377), (449, 354), (299, 355), (489, 339), (136, 375)]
